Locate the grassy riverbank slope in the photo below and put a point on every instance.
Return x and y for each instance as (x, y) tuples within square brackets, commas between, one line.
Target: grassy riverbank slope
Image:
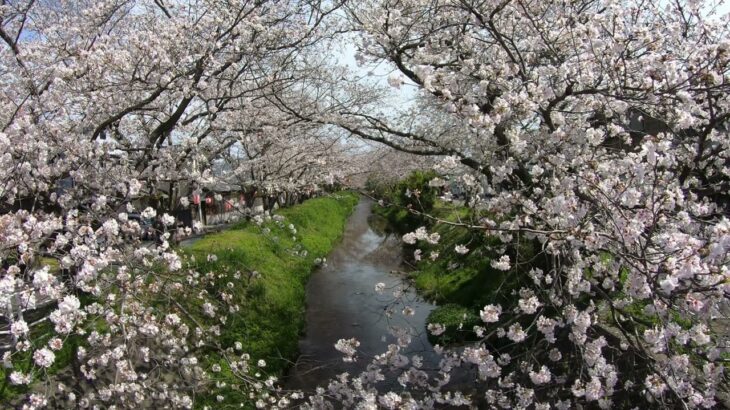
[(272, 300), (467, 280), (460, 284)]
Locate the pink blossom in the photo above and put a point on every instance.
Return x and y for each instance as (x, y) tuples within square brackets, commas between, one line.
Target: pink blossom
[(541, 377), (490, 313), (516, 334), (461, 249), (348, 347), (502, 264), (44, 357), (19, 328)]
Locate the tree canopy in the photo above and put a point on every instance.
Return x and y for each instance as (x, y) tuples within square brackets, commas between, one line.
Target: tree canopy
[(593, 132)]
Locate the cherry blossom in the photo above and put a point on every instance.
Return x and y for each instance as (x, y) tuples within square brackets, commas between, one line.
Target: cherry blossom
[(461, 249), (348, 347), (490, 313), (593, 135), (502, 263), (44, 357)]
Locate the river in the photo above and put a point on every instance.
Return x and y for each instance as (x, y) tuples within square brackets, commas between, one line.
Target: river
[(342, 303)]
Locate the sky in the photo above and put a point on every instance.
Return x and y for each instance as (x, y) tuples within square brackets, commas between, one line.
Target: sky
[(377, 74)]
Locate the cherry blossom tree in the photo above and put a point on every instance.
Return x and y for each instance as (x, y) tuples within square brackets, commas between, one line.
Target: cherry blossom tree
[(290, 159), (596, 133), (102, 101)]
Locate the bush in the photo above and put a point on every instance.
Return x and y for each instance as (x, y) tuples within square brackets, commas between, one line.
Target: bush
[(414, 191), (459, 322)]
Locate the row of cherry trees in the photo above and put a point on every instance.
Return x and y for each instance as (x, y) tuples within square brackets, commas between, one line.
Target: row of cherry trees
[(595, 130), (597, 133), (102, 103)]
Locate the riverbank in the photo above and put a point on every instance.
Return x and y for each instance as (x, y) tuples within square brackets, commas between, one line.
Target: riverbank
[(274, 270), (461, 284)]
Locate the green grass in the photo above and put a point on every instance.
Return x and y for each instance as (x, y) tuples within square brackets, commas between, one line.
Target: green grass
[(271, 317), (23, 361), (461, 284), (39, 335), (468, 280)]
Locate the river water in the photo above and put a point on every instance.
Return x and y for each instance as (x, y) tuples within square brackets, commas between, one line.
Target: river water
[(342, 303)]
